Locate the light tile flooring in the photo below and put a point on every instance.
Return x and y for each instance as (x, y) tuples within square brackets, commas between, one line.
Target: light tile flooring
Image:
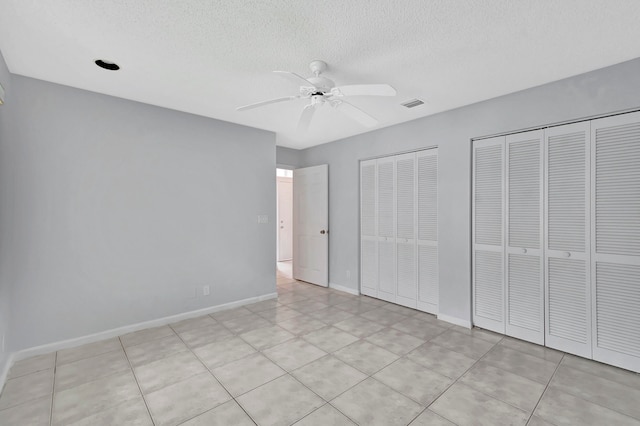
[(316, 356)]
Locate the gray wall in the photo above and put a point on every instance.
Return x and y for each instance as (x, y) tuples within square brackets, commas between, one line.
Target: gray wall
[(607, 90), (288, 158), (123, 211), (5, 207)]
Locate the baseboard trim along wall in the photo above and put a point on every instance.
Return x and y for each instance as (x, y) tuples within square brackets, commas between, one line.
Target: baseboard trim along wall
[(115, 332), (345, 289), (455, 321)]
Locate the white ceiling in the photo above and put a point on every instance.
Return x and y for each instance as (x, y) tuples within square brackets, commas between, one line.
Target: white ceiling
[(209, 56)]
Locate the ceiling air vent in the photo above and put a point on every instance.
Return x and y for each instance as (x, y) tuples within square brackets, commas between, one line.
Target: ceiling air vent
[(412, 103)]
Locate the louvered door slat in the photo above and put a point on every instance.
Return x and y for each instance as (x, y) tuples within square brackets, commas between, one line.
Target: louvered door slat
[(567, 283), (405, 183), (617, 195), (488, 243), (386, 229), (524, 284), (386, 198), (428, 195), (617, 302), (386, 270), (368, 199), (428, 292), (369, 267), (616, 248), (568, 308), (407, 286), (368, 230), (525, 296), (488, 274)]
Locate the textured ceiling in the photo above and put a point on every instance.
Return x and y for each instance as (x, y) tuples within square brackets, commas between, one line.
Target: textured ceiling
[(208, 57)]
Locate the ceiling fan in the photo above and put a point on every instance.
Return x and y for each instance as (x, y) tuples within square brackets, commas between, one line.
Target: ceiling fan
[(321, 90)]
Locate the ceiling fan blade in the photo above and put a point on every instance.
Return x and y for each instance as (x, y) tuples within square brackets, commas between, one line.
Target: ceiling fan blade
[(356, 113), (294, 78), (364, 90), (271, 101), (305, 118)]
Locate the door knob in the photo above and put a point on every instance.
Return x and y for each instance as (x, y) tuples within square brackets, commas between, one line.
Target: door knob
[(323, 232)]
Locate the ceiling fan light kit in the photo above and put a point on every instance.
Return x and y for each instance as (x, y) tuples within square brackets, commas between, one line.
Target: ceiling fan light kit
[(320, 90)]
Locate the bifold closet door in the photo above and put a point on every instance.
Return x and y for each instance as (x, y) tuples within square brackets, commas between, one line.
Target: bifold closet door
[(567, 229), (407, 288), (427, 167), (386, 213), (488, 241), (368, 229), (615, 208), (524, 268)]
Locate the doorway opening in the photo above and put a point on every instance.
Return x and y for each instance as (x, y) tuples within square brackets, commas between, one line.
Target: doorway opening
[(284, 213)]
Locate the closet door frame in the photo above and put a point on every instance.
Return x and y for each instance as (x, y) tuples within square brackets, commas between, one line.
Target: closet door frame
[(552, 341), (510, 329), (601, 354), (480, 321)]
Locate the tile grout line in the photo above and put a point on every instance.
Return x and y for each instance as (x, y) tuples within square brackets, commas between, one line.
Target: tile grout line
[(576, 396), (287, 373), (233, 398), (545, 391), (456, 381), (137, 383), (32, 399), (594, 402), (368, 376), (53, 390)]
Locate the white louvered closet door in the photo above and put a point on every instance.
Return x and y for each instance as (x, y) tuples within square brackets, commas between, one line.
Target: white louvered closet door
[(368, 229), (524, 272), (427, 205), (407, 286), (386, 212), (615, 209), (488, 241), (567, 281)]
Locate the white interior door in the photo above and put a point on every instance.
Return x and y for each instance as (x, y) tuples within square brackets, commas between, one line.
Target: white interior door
[(285, 218), (488, 239), (368, 229), (524, 272), (615, 229), (427, 206), (567, 229), (311, 224)]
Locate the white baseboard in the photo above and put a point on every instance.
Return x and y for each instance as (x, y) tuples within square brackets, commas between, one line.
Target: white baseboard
[(345, 289), (107, 334), (454, 320), (5, 371)]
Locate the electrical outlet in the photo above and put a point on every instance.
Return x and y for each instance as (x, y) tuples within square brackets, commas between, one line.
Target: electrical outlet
[(263, 218), (205, 290)]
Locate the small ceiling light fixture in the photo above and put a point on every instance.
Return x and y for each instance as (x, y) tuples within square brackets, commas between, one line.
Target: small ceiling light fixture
[(107, 65)]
